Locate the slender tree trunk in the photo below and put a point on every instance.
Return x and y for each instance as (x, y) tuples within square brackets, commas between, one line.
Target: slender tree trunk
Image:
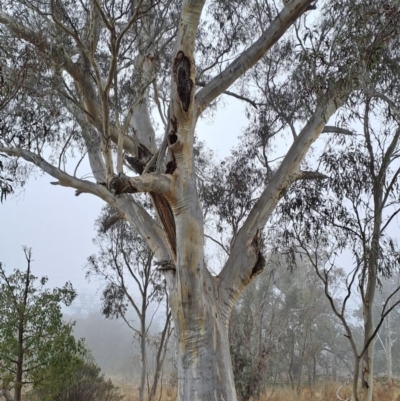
[(388, 324), (355, 377), (314, 373), (302, 362), (367, 378), (161, 352), (18, 383), (367, 373), (143, 358), (368, 357), (334, 368), (291, 363)]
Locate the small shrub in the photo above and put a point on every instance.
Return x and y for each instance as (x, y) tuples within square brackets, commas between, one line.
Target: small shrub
[(88, 384)]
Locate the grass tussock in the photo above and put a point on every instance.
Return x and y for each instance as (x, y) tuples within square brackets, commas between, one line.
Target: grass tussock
[(319, 392)]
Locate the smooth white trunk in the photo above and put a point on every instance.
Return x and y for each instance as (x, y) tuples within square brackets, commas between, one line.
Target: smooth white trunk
[(204, 361)]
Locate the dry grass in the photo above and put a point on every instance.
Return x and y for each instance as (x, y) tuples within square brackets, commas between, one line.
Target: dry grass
[(320, 392)]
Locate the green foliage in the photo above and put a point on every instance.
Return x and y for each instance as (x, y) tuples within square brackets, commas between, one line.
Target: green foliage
[(36, 346), (86, 384)]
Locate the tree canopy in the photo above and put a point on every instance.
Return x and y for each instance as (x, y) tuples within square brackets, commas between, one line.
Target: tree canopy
[(37, 348)]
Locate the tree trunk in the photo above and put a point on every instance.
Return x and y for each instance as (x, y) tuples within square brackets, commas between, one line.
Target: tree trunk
[(367, 379), (299, 381), (388, 324), (161, 352), (334, 368), (355, 377), (368, 357), (204, 362), (143, 358)]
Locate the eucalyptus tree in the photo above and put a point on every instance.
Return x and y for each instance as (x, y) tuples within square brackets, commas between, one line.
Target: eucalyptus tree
[(103, 69), (281, 328), (124, 262), (352, 212), (37, 348)]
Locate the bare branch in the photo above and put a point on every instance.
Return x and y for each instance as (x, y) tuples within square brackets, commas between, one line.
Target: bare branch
[(310, 175), (336, 130), (235, 95), (217, 242)]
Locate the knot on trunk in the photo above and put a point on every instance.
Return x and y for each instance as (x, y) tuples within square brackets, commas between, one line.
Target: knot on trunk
[(121, 184), (165, 265)]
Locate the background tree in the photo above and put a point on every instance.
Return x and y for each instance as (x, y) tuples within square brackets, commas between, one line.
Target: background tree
[(283, 331), (101, 68), (36, 346), (126, 264), (353, 212)]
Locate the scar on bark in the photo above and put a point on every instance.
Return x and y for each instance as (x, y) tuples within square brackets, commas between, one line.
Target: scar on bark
[(260, 262), (172, 138), (182, 78)]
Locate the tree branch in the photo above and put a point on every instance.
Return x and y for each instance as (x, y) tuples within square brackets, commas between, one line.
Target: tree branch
[(252, 55), (130, 210), (336, 130), (150, 182), (310, 175), (235, 95), (244, 253)]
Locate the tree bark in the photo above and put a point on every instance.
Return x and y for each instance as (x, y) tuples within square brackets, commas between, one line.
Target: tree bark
[(355, 377), (204, 361), (367, 379)]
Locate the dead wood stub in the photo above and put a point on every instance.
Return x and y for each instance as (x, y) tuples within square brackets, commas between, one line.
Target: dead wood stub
[(120, 184), (166, 265), (182, 78)]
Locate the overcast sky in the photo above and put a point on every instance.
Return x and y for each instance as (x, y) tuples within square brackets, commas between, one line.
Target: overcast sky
[(59, 227)]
